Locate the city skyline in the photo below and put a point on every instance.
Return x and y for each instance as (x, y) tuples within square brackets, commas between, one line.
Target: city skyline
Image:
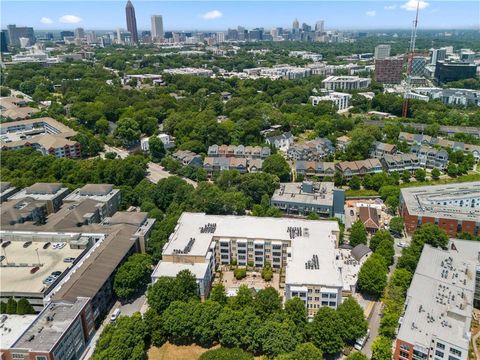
[(219, 16)]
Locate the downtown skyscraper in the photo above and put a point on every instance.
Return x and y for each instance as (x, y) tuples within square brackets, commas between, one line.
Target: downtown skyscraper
[(131, 21), (157, 27)]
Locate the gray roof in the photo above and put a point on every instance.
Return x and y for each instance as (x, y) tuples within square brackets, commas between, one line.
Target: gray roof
[(96, 189), (43, 188), (359, 251)]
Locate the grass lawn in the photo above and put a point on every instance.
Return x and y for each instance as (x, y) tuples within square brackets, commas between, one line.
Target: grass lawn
[(170, 351)]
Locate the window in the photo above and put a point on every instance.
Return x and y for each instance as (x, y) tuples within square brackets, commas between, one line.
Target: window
[(332, 303), (456, 352), (324, 303), (40, 357), (440, 346), (452, 358), (324, 296), (333, 296), (224, 256), (309, 298), (317, 291), (403, 354), (439, 353)]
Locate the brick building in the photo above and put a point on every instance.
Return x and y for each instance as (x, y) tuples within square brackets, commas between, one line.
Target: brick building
[(453, 207), (389, 70)]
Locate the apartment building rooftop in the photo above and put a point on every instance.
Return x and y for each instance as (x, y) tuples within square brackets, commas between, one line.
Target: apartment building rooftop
[(440, 298), (11, 327), (16, 108), (456, 201), (50, 325), (307, 193), (98, 192)]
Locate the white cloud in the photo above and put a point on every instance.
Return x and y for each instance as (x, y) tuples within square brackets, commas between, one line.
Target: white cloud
[(390, 7), (69, 19), (371, 13), (214, 14), (46, 20), (411, 5)]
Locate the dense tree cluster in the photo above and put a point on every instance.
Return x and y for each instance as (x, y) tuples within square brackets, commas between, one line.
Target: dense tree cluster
[(20, 307), (132, 276)]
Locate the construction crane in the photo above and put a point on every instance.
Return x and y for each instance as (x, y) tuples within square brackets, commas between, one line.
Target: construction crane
[(411, 52)]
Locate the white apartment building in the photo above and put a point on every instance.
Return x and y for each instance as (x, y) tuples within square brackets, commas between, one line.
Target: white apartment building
[(346, 83), (382, 51), (315, 270), (439, 304), (340, 100)]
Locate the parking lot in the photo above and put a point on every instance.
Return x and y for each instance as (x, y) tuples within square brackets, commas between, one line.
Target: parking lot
[(16, 268)]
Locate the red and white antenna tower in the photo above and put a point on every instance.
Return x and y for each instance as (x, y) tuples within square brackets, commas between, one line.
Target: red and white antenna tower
[(411, 52)]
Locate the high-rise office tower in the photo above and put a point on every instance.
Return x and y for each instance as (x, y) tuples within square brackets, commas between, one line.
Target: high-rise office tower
[(79, 33), (320, 26), (3, 41), (15, 33), (157, 27), (296, 25), (131, 21), (382, 52), (438, 55)]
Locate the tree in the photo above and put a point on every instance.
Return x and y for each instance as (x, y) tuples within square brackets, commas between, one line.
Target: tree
[(396, 225), (11, 306), (3, 307), (296, 311), (386, 250), (267, 272), (276, 338), (205, 315), (358, 234), (354, 183), (352, 320), (372, 277), (378, 237), (420, 174), (127, 130), (156, 148), (267, 301), (132, 276), (218, 294), (452, 169), (153, 322), (406, 175), (229, 325), (381, 348), (242, 299), (179, 321), (240, 273), (166, 290), (357, 356), (24, 307), (122, 340), (305, 351), (277, 165), (430, 234), (435, 174), (325, 332), (226, 353)]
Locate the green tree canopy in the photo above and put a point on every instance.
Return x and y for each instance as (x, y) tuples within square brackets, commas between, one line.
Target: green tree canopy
[(325, 332), (358, 234), (277, 165), (132, 276), (352, 320), (372, 277)]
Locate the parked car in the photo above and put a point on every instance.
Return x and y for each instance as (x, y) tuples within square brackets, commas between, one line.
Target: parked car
[(2, 258), (69, 259), (61, 245), (6, 243), (46, 245), (57, 273), (27, 244), (34, 269), (402, 244), (115, 315), (55, 245), (49, 280), (360, 343)]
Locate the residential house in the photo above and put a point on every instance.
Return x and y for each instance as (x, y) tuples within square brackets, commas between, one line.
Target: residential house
[(430, 157), (240, 151), (369, 217), (281, 142), (359, 168), (317, 168), (313, 150), (187, 157), (380, 149), (400, 162), (342, 142)]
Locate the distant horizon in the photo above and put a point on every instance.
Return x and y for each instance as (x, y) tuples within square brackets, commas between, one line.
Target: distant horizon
[(51, 15)]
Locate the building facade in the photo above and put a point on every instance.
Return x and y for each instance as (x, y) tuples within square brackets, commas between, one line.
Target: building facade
[(389, 70)]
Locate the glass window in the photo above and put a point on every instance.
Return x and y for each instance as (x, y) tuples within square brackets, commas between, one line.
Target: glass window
[(456, 352)]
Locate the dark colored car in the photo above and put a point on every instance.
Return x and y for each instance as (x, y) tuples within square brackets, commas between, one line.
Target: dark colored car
[(56, 273), (27, 244), (6, 243), (34, 269), (2, 258), (46, 245)]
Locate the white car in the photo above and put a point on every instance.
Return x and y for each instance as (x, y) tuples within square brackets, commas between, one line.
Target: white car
[(61, 245), (402, 244), (360, 343), (115, 315)]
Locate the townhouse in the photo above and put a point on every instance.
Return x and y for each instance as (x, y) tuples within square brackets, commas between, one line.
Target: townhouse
[(430, 158)]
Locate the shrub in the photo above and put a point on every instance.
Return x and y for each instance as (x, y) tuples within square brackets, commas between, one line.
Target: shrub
[(240, 273)]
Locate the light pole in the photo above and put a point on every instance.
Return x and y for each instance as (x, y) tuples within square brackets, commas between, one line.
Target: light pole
[(38, 256)]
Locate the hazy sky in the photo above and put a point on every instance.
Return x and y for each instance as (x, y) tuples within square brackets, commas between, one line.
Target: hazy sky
[(220, 15)]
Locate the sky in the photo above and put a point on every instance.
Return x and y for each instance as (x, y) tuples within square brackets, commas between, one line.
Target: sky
[(220, 15)]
